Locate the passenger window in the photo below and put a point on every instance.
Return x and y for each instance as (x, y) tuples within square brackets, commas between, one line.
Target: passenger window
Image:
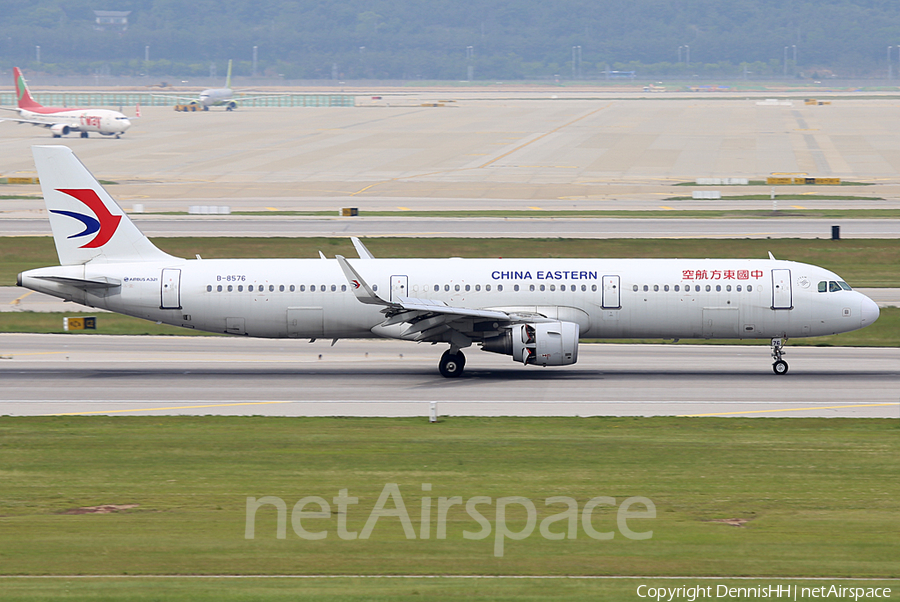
[(374, 287), (343, 288), (646, 288), (543, 288), (333, 288), (718, 288), (516, 287), (437, 287), (583, 288), (230, 288), (708, 288), (477, 287), (302, 288), (531, 288), (447, 288), (749, 288), (697, 288), (312, 288), (833, 287), (499, 287), (293, 288), (594, 288), (487, 287), (677, 288), (219, 288), (562, 287), (666, 288), (739, 288), (468, 288), (823, 286), (271, 288), (635, 288), (280, 288), (208, 288), (240, 288), (456, 288), (552, 287), (728, 288)]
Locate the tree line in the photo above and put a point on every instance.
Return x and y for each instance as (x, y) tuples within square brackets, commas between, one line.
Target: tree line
[(437, 39)]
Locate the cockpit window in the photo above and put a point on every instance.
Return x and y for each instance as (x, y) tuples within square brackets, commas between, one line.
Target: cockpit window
[(833, 287), (844, 285), (823, 286)]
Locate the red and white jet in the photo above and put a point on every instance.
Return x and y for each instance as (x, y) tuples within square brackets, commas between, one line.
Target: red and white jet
[(62, 121)]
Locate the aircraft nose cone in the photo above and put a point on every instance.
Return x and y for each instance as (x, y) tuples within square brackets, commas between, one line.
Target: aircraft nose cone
[(869, 311), (125, 124)]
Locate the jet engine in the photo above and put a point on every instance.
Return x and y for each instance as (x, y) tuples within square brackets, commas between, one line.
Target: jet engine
[(59, 129), (541, 344)]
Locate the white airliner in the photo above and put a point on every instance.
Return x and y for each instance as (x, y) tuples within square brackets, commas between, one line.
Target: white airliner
[(62, 121), (218, 97), (534, 310)]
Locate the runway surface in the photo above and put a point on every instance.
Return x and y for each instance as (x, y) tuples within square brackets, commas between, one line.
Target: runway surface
[(84, 374), (488, 152), (459, 227)]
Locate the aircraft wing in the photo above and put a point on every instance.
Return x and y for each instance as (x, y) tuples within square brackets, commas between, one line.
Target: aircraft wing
[(427, 319), (173, 97), (35, 122)]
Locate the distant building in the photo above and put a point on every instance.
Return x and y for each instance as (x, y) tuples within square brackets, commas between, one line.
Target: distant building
[(111, 20)]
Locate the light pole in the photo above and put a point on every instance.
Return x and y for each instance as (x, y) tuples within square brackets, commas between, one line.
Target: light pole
[(573, 61), (794, 66), (687, 54), (785, 62), (470, 69), (890, 64)]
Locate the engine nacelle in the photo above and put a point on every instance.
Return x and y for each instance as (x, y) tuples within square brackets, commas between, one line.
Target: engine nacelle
[(60, 129), (541, 344)]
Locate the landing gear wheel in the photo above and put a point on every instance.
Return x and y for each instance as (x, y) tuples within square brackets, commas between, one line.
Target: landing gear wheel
[(780, 366), (452, 364), (84, 134)]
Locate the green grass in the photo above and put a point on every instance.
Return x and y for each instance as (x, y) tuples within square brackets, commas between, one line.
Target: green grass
[(862, 263), (575, 213), (764, 183), (885, 334), (785, 197), (107, 323), (820, 496), (376, 590)]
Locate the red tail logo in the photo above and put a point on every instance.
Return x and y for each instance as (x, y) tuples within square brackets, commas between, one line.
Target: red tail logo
[(105, 224)]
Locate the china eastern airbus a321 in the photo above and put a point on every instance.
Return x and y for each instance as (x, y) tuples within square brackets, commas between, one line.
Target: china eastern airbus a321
[(534, 310)]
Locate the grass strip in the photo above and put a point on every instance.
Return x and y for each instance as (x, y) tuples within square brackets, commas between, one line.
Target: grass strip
[(349, 589), (885, 334), (811, 497), (861, 262), (785, 197), (575, 213)]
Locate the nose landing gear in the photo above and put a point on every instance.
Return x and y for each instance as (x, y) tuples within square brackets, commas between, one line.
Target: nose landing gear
[(780, 366)]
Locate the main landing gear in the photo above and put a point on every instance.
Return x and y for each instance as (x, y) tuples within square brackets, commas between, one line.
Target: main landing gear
[(780, 366), (452, 363)]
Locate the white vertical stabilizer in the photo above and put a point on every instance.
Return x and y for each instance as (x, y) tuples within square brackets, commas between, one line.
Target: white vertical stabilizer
[(87, 224)]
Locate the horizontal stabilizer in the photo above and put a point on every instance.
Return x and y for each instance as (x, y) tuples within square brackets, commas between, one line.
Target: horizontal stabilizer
[(84, 284)]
